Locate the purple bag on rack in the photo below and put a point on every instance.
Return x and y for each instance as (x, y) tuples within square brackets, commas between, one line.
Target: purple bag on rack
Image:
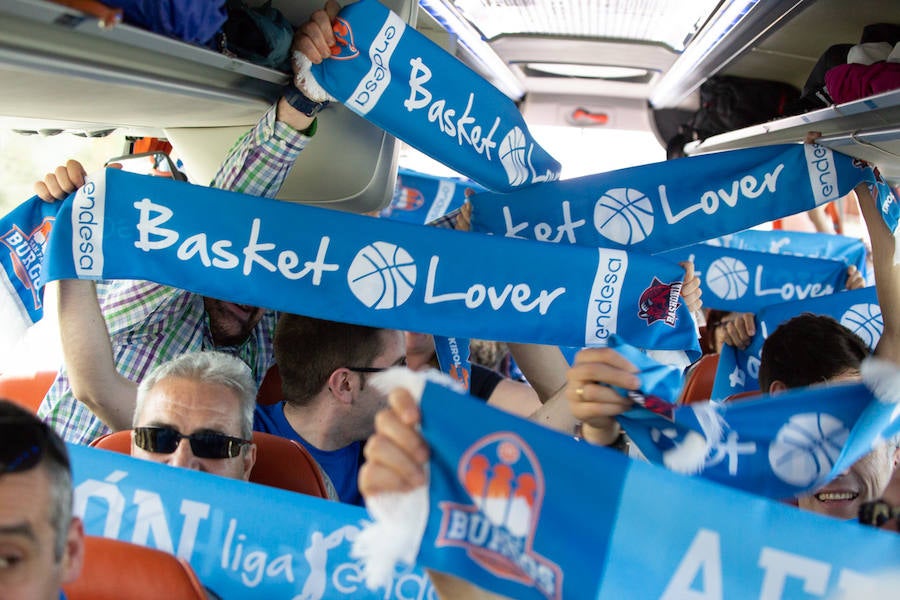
[(194, 21)]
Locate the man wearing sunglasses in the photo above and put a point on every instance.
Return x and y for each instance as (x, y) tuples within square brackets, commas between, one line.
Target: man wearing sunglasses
[(41, 543), (196, 412), (329, 402)]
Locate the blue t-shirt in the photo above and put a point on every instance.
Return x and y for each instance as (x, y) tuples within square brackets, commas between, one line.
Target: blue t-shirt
[(342, 465)]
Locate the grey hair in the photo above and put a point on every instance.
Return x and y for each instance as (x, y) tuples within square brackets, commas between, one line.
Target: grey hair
[(60, 503), (207, 367)]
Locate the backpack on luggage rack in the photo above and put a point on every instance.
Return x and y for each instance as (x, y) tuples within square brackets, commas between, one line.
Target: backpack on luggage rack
[(728, 103)]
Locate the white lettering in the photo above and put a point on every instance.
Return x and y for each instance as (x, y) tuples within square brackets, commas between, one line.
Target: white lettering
[(108, 492), (193, 512), (371, 87), (543, 231), (704, 556), (151, 519), (790, 290), (88, 215), (476, 294), (603, 304), (150, 226), (194, 246), (747, 187), (420, 97), (822, 173), (255, 564), (779, 565), (253, 248)]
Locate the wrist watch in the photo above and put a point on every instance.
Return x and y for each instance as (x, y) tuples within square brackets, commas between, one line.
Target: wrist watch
[(299, 101)]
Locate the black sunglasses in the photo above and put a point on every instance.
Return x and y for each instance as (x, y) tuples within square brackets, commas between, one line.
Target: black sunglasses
[(165, 440), (401, 362), (877, 513), (26, 442)]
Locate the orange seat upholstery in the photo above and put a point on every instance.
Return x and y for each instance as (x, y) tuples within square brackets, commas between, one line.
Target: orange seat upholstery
[(27, 390), (114, 570), (699, 383), (270, 388), (280, 462), (743, 395)]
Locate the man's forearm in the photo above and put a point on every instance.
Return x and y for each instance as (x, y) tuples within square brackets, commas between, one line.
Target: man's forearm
[(887, 275), (88, 356)]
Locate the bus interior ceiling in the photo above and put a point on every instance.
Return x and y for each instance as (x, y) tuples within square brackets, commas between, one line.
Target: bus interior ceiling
[(201, 100)]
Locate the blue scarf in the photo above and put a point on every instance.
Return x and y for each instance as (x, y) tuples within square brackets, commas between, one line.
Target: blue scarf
[(746, 281), (453, 357), (857, 310), (420, 198), (353, 268), (398, 79), (850, 251), (757, 447), (243, 540), (24, 234), (533, 514), (662, 206)]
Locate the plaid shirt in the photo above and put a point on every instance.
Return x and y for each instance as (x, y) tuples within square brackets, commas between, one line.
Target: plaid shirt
[(150, 323)]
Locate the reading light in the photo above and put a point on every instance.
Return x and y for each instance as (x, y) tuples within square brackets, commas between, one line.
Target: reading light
[(587, 71)]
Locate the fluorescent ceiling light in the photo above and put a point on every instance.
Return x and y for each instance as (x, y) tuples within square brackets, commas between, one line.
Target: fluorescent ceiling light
[(467, 36), (671, 22), (735, 27), (587, 71)]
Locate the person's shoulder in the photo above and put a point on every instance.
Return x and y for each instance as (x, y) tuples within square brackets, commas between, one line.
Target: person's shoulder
[(269, 418), (483, 381)]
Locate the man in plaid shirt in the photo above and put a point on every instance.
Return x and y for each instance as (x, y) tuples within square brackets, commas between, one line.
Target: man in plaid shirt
[(148, 323)]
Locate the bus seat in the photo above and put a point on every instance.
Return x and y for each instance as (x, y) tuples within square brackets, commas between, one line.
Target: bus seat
[(743, 395), (274, 453), (280, 462), (114, 569), (27, 390), (270, 388), (699, 383)]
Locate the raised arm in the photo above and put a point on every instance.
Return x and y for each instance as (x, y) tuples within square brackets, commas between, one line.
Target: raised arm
[(887, 274), (87, 351), (396, 456), (261, 159)]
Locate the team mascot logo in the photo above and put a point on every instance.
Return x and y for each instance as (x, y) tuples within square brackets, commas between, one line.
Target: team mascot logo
[(460, 374), (407, 198), (659, 302), (503, 477), (26, 250), (344, 48)]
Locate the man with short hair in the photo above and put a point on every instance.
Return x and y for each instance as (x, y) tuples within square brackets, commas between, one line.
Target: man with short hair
[(196, 412), (329, 403), (41, 543)]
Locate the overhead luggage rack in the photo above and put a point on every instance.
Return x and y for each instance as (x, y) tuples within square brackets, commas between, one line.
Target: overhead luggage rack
[(61, 70), (868, 128), (120, 75)]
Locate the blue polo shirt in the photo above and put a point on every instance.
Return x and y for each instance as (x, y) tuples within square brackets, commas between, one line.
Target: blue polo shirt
[(342, 465)]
